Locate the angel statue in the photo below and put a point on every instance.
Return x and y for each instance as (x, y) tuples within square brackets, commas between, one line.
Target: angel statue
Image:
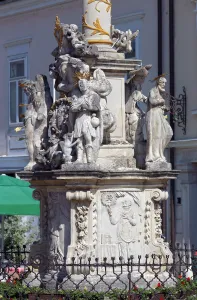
[(36, 122)]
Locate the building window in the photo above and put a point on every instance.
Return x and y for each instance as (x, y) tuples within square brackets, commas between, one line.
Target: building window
[(17, 98)]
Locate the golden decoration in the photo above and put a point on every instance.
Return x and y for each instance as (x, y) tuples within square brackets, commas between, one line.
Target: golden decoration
[(156, 78), (23, 104), (97, 29), (100, 42), (22, 84), (58, 31), (17, 129), (79, 76), (63, 95), (99, 1)]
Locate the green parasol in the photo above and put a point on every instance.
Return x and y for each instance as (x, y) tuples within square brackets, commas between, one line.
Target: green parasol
[(16, 197)]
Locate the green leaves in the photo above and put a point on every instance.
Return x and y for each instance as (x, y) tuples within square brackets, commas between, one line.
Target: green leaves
[(18, 232)]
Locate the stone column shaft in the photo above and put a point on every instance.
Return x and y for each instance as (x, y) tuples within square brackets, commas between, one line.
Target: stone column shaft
[(97, 22)]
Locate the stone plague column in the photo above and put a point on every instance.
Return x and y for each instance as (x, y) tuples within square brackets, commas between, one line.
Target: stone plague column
[(103, 209), (97, 22)]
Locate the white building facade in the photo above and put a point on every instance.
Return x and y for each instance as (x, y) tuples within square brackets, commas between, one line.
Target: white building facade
[(167, 40)]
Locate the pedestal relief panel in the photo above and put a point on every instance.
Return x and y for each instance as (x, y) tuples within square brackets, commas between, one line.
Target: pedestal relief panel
[(129, 224), (121, 223)]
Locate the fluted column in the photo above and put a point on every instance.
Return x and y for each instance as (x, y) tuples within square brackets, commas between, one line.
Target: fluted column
[(97, 22)]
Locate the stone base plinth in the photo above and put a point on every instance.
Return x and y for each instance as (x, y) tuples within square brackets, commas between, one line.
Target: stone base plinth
[(158, 165), (90, 212), (115, 156)]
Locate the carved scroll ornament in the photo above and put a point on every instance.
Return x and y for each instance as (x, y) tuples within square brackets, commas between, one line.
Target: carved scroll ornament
[(79, 196), (159, 195)]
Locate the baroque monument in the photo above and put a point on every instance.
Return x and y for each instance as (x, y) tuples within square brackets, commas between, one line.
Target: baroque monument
[(100, 183)]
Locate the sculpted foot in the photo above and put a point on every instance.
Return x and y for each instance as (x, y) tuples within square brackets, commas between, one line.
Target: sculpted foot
[(30, 166)]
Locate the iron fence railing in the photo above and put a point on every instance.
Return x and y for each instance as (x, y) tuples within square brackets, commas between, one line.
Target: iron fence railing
[(148, 277)]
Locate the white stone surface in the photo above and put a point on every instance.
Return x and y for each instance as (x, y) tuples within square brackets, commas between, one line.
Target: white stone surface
[(106, 217), (97, 22)]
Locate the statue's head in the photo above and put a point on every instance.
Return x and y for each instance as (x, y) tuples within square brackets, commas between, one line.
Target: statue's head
[(83, 85), (137, 77), (126, 203), (74, 27), (161, 82)]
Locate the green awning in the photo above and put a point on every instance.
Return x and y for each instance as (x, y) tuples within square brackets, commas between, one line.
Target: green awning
[(16, 197)]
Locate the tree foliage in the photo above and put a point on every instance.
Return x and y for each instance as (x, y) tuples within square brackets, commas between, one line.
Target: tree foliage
[(19, 232)]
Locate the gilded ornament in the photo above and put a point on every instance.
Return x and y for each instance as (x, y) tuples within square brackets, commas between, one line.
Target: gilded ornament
[(58, 31), (17, 129), (79, 76), (100, 42), (100, 1), (97, 29)]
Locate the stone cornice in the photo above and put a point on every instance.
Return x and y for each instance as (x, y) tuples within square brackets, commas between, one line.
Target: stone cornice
[(17, 42), (24, 6), (128, 18), (187, 143), (11, 164)]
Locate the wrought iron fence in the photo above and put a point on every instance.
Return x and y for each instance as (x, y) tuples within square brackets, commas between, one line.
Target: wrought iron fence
[(148, 277)]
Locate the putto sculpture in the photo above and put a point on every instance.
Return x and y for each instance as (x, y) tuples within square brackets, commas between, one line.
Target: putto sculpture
[(123, 40)]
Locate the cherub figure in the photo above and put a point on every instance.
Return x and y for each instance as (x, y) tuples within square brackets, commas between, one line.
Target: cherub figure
[(123, 40)]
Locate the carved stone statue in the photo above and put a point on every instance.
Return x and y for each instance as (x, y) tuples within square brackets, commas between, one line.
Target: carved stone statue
[(36, 123), (51, 155), (67, 71), (159, 132), (71, 41), (122, 40), (103, 88), (86, 110), (134, 116), (77, 121)]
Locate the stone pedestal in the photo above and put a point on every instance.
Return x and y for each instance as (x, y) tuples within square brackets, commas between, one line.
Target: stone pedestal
[(99, 214), (118, 152)]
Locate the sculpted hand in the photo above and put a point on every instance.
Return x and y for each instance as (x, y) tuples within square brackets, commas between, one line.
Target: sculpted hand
[(40, 117)]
